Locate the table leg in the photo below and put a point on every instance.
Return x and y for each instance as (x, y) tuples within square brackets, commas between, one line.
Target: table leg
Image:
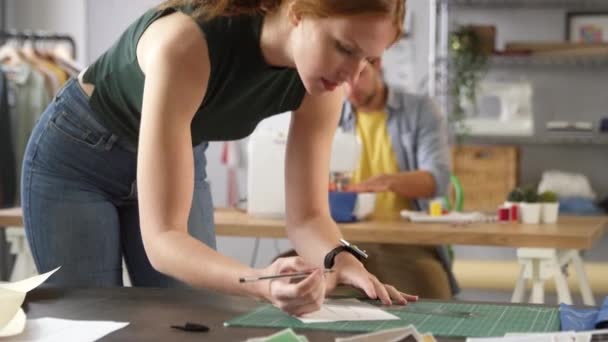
[(520, 286), (563, 293), (254, 254), (538, 290), (583, 281), (24, 263)]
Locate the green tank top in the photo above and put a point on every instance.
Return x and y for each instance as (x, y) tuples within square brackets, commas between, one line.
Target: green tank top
[(242, 89)]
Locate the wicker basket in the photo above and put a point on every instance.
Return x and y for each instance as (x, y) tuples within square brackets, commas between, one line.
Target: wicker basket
[(487, 174)]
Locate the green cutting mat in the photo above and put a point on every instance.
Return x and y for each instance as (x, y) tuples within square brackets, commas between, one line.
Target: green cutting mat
[(491, 320)]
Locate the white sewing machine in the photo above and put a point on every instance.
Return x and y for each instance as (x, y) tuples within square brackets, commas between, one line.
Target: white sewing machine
[(505, 108), (266, 168)]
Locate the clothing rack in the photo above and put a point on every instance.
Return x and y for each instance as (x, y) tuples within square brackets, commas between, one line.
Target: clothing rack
[(2, 14), (23, 36)]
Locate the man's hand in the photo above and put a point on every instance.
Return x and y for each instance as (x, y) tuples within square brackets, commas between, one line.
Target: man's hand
[(379, 183)]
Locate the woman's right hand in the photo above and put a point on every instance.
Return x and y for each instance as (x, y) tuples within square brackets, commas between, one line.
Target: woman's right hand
[(295, 296)]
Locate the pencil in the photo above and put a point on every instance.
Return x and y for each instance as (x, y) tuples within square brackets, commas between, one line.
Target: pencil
[(279, 276)]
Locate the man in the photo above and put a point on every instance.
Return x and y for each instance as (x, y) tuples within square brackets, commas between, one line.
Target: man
[(405, 159)]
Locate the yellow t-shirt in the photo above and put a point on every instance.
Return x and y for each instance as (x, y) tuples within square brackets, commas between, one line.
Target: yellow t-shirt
[(378, 157)]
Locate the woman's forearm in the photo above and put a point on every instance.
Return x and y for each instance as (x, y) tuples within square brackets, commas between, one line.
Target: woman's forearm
[(314, 238), (181, 256)]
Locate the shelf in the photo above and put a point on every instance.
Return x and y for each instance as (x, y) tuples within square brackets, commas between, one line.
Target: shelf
[(583, 5), (589, 61), (537, 140)]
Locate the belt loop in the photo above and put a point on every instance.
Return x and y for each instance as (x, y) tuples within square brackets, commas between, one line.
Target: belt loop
[(62, 89), (110, 142)]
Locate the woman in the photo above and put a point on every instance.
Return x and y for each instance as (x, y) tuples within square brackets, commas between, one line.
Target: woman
[(116, 165)]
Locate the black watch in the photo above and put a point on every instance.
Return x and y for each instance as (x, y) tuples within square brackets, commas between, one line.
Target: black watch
[(345, 246)]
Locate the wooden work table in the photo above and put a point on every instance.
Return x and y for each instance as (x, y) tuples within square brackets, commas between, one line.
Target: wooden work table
[(152, 311), (571, 232)]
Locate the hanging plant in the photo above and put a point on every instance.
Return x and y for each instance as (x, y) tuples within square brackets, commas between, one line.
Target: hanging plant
[(468, 64)]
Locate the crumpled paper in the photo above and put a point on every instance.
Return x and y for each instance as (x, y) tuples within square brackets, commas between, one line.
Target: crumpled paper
[(12, 295)]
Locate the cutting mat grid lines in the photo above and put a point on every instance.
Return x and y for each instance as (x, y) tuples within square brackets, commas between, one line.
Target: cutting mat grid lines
[(490, 320)]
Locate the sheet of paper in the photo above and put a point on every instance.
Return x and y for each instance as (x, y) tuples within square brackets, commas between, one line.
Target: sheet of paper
[(453, 217), (12, 318), (285, 335), (512, 339), (60, 330), (346, 310), (28, 284), (10, 302), (569, 336), (564, 336), (15, 326), (407, 334)]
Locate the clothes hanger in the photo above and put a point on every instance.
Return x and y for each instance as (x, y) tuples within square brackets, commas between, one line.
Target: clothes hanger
[(11, 55)]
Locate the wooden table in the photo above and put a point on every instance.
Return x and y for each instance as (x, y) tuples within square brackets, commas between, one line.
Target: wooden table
[(151, 312), (540, 246), (571, 232), (12, 217)]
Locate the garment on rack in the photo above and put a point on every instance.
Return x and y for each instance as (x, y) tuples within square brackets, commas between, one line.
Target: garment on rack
[(33, 76), (28, 80), (8, 176), (28, 96)]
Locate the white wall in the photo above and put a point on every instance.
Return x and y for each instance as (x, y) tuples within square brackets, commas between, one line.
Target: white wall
[(107, 19), (56, 16)]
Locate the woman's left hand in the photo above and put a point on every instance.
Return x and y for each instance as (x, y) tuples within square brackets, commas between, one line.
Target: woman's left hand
[(350, 271)]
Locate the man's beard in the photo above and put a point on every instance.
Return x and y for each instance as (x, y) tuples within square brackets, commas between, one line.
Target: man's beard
[(370, 98)]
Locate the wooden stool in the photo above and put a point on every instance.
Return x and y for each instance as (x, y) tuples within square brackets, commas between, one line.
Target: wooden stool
[(540, 264)]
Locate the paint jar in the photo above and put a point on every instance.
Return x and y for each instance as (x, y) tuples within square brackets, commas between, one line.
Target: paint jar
[(436, 208), (515, 213), (503, 214)]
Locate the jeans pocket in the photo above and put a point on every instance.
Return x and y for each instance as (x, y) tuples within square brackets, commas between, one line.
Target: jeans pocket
[(75, 129)]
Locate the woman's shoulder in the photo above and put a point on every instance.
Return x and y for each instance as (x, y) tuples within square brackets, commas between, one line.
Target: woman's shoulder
[(176, 36)]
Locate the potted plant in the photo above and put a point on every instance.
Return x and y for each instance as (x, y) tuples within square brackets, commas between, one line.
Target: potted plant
[(468, 63), (516, 196), (530, 208), (550, 206)]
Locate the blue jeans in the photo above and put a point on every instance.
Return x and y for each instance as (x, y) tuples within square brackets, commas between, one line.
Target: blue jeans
[(79, 199)]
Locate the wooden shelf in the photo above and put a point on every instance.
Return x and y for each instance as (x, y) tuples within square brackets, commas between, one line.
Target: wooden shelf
[(546, 61), (583, 5), (537, 140), (580, 61)]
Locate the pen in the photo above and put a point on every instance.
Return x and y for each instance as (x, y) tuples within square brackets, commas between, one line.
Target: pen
[(280, 276)]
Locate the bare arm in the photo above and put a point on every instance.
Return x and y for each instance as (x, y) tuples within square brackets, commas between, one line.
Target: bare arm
[(413, 184), (433, 175), (309, 224), (310, 227), (176, 65)]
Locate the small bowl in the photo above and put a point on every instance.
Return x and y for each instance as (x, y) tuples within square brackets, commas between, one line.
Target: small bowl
[(351, 206)]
